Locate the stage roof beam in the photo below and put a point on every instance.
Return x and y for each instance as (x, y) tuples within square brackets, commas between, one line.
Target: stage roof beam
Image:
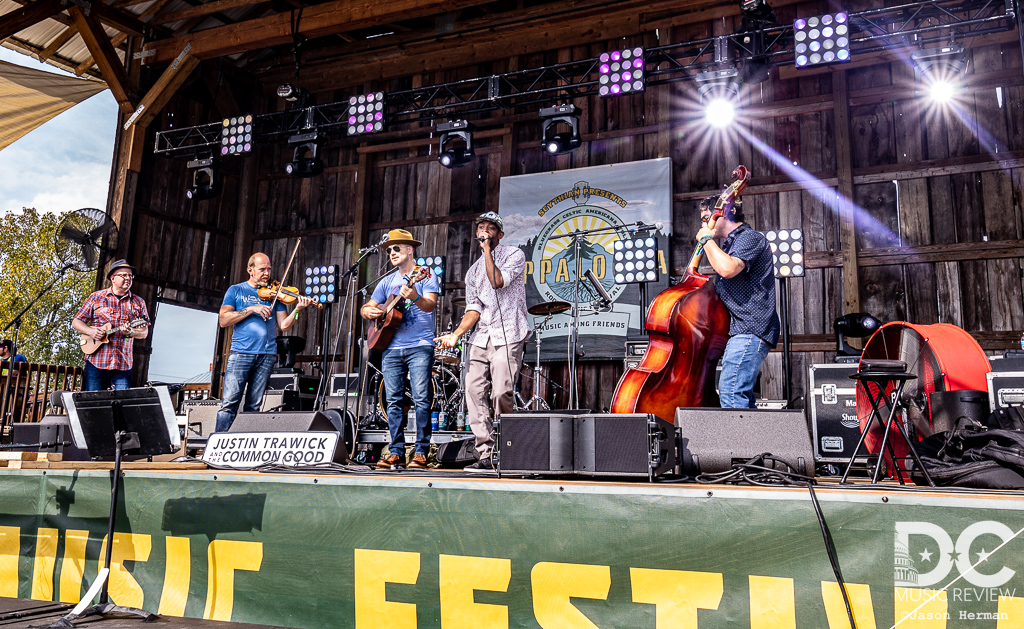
[(109, 63), (28, 15)]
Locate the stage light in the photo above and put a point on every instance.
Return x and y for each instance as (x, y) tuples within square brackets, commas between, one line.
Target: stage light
[(719, 113), (565, 141), (236, 135), (456, 144), (438, 266), (621, 72), (821, 39), (940, 71), (758, 11), (366, 113), (856, 325), (204, 183), (293, 94), (787, 247), (321, 283), (305, 159), (636, 260)]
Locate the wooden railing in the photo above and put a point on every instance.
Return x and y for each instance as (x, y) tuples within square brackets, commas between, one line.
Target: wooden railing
[(25, 389)]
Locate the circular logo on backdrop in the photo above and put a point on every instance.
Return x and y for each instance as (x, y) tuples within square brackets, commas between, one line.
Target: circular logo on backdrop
[(554, 258)]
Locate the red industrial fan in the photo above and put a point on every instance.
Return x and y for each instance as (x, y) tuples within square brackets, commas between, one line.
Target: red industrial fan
[(943, 356)]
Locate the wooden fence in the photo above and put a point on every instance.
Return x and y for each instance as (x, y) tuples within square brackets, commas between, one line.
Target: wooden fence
[(25, 389)]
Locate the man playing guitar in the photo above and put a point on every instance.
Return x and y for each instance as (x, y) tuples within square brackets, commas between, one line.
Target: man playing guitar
[(411, 350)]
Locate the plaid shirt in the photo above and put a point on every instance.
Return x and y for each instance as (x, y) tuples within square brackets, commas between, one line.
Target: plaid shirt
[(481, 297), (103, 307)]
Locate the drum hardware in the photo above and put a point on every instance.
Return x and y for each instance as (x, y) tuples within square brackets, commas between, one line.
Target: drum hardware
[(548, 309), (447, 394)]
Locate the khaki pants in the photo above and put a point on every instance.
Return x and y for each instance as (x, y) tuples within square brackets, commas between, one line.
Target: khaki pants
[(490, 366)]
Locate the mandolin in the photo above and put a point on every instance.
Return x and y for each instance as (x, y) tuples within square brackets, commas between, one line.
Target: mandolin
[(90, 345), (382, 329)]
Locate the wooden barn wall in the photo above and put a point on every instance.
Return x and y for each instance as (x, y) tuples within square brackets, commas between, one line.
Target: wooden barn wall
[(946, 183)]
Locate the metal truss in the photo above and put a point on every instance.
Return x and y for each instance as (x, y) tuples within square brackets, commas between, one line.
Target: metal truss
[(902, 26)]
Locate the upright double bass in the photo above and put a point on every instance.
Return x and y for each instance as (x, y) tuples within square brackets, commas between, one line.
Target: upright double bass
[(688, 328)]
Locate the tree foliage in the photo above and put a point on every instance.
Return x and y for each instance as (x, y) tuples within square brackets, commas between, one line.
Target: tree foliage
[(28, 264)]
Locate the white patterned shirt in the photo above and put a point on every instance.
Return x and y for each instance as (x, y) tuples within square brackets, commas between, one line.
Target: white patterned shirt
[(511, 297)]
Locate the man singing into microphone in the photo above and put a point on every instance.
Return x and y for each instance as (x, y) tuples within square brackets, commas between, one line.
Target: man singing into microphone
[(496, 305)]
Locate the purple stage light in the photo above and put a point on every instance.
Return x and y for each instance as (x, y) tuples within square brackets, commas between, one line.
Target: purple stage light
[(620, 71), (616, 89), (605, 57), (616, 55), (605, 69), (800, 24)]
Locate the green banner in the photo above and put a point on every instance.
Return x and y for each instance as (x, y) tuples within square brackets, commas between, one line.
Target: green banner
[(410, 551)]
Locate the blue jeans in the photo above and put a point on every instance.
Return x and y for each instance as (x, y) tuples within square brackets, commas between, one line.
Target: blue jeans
[(418, 363), (741, 362), (242, 369), (96, 379)]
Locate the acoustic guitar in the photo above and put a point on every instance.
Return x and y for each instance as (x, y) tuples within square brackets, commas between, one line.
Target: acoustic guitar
[(90, 345), (382, 329)]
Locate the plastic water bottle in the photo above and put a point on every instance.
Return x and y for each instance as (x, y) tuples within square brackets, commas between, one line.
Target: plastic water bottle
[(442, 421), (434, 421), (460, 421)]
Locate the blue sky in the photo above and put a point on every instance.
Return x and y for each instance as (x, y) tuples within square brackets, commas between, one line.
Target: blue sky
[(64, 164)]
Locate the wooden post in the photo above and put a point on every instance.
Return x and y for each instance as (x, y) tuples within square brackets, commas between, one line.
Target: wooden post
[(844, 175)]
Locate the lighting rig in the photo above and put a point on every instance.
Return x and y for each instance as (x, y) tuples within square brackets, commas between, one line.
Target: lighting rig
[(456, 143), (556, 119), (204, 183)]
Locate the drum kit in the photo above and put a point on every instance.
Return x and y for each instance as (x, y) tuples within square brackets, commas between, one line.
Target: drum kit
[(448, 376)]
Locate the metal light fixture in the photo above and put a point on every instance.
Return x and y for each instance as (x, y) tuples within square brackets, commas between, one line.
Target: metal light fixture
[(293, 94), (564, 141), (366, 114), (204, 183), (621, 72), (456, 143), (321, 283), (787, 247), (940, 71), (305, 158), (236, 136), (821, 39)]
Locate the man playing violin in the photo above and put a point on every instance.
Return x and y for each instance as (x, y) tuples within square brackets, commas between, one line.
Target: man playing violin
[(411, 350), (111, 364), (253, 339), (746, 285)]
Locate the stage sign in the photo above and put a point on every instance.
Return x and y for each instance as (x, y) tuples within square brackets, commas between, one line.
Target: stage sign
[(543, 211), (251, 449)]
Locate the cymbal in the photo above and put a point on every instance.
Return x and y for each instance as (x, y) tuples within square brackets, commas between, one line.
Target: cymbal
[(549, 307)]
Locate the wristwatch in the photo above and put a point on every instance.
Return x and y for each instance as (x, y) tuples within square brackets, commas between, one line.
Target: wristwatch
[(704, 240)]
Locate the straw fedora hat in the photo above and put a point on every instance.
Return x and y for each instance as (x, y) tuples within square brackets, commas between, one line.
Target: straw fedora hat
[(401, 237)]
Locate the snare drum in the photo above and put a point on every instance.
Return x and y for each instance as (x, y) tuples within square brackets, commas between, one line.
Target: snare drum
[(448, 356)]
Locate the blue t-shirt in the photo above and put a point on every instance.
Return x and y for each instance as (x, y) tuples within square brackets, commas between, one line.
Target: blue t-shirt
[(417, 327), (252, 335)]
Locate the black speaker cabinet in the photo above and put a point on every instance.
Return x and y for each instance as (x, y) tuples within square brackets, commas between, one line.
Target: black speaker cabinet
[(623, 445), (713, 438), (535, 443), (53, 429), (293, 421)]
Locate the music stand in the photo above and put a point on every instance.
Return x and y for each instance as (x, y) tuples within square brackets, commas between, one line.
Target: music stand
[(108, 423)]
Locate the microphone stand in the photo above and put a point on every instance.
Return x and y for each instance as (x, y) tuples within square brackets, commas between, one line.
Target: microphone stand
[(353, 280)]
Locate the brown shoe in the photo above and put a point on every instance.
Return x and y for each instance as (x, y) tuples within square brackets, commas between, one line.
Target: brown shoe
[(390, 461), (419, 462)]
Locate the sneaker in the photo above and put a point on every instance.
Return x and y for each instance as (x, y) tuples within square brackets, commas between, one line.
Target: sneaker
[(390, 462), (419, 462), (483, 465)]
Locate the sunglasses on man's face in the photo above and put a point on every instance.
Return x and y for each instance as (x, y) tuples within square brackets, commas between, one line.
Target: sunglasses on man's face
[(395, 248)]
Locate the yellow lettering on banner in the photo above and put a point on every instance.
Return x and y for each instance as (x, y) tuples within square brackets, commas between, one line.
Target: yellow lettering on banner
[(860, 603), (225, 556), (555, 583), (177, 576), (562, 275), (10, 550), (42, 569), (529, 270), (72, 569), (374, 569), (600, 266), (676, 594), (932, 615), (662, 264), (545, 269), (123, 588), (772, 603), (459, 577), (1010, 613)]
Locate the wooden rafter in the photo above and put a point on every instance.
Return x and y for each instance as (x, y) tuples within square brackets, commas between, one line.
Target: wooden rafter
[(103, 52), (58, 42), (20, 19), (117, 19), (162, 91), (319, 20), (120, 38), (203, 9)]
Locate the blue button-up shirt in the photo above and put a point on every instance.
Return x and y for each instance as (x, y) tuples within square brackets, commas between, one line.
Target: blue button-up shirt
[(750, 296)]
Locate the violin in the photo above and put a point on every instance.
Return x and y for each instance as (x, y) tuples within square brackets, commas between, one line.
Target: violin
[(286, 295), (688, 327)]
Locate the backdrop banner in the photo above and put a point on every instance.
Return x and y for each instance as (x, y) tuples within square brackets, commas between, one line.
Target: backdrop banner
[(542, 212), (342, 551)]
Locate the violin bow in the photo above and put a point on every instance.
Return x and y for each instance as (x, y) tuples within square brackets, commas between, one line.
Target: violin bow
[(284, 276)]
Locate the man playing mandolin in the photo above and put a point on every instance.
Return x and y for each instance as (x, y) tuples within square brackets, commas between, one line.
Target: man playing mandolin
[(746, 285), (114, 317), (253, 339), (411, 349)]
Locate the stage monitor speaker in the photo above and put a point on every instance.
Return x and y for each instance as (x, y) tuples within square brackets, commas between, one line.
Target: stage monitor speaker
[(294, 421), (535, 443), (712, 439), (623, 445), (54, 430)]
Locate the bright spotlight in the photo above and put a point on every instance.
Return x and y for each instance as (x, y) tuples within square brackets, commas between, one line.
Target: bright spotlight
[(719, 113), (940, 71), (941, 91)]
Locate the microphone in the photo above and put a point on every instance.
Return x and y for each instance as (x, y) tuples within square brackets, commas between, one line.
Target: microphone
[(384, 238), (482, 238), (605, 297), (643, 227), (375, 248)]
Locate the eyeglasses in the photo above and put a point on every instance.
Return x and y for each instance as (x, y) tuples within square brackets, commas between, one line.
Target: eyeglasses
[(124, 276), (395, 248)]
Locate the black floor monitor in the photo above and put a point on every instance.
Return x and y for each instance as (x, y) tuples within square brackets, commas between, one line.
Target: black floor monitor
[(146, 412)]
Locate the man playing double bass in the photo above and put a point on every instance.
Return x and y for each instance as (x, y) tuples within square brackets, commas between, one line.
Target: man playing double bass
[(746, 285)]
